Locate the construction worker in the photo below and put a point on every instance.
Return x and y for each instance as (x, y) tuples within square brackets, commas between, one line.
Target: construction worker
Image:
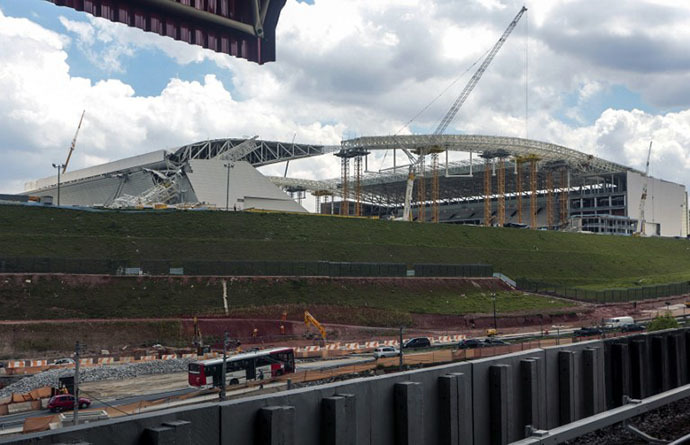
[(255, 332), (282, 329)]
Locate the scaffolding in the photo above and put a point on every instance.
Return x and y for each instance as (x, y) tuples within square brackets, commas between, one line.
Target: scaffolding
[(564, 197), (344, 179), (435, 189), (358, 185), (518, 187), (487, 192), (533, 192), (549, 199), (318, 194), (501, 192), (421, 188)]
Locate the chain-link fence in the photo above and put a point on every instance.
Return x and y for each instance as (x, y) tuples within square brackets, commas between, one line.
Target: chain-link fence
[(238, 268), (606, 295)]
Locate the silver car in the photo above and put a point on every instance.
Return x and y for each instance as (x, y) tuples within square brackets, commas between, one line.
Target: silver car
[(386, 351)]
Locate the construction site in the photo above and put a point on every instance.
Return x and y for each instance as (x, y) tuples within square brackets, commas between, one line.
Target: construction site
[(183, 296), (501, 181)]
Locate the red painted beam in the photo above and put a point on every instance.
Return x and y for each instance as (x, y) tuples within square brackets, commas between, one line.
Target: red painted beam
[(226, 26)]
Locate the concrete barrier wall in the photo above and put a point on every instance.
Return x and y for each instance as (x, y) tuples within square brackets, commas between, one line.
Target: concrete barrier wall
[(485, 401)]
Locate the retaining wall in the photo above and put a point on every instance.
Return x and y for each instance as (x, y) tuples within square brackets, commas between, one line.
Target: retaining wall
[(485, 401)]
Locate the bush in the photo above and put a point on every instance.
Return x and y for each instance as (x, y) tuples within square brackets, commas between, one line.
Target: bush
[(661, 322)]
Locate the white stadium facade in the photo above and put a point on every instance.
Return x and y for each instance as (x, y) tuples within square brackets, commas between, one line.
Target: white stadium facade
[(503, 182)]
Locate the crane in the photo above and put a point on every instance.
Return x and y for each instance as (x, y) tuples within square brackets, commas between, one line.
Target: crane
[(453, 111), (74, 143), (310, 320), (643, 198)]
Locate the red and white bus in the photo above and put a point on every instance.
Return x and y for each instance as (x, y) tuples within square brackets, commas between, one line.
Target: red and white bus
[(255, 365)]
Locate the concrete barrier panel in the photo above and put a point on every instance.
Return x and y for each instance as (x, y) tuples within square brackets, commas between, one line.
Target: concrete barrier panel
[(275, 425), (409, 414)]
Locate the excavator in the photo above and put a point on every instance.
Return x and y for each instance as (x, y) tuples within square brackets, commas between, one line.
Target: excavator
[(310, 320)]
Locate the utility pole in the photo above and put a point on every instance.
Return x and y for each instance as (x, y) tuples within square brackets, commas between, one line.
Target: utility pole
[(227, 187), (76, 378), (401, 348), (225, 360), (58, 167)]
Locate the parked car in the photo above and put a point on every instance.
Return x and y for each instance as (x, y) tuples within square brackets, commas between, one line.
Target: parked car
[(418, 342), (587, 332), (471, 343), (633, 327), (386, 351), (64, 361), (492, 341), (63, 402)]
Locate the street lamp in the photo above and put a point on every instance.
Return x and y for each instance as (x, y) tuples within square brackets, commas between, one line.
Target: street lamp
[(224, 367), (229, 165), (58, 167)]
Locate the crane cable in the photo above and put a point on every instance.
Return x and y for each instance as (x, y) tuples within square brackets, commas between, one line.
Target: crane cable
[(426, 107)]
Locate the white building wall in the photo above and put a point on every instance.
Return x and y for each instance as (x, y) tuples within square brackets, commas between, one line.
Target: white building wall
[(248, 188), (666, 204)]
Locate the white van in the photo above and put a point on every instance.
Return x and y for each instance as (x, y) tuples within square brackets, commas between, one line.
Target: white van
[(618, 322)]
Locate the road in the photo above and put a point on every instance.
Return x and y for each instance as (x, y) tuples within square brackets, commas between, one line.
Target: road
[(113, 393)]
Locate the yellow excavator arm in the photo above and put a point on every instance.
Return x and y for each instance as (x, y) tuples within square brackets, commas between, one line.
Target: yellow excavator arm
[(310, 320)]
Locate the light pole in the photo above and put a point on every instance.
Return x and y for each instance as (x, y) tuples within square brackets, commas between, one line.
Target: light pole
[(493, 300), (229, 165), (58, 167), (224, 371)]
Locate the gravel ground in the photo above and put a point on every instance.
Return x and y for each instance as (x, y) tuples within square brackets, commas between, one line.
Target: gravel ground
[(93, 374), (669, 422)]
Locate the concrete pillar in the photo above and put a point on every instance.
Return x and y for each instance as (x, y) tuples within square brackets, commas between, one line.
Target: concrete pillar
[(409, 413), (639, 368), (339, 420), (169, 433), (620, 368), (160, 435), (687, 356), (276, 426), (591, 380), (566, 387), (500, 401), (529, 379), (660, 364), (675, 358), (449, 416), (455, 409)]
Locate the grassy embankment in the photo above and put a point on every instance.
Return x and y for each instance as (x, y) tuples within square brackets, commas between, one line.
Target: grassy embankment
[(560, 258)]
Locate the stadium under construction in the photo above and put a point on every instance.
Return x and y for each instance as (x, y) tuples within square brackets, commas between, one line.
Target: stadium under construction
[(503, 182)]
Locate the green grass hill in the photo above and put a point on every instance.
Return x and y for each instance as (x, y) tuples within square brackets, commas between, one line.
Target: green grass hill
[(594, 261)]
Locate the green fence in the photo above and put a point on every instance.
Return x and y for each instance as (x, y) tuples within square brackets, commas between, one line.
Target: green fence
[(453, 270), (237, 268), (606, 295)]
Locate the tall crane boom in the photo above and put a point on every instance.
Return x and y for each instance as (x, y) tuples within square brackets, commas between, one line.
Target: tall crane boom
[(74, 143), (450, 115), (643, 197)]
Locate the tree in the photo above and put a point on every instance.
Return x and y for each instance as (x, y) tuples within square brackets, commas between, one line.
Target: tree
[(662, 322)]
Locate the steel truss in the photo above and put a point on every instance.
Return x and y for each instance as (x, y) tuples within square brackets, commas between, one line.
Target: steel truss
[(266, 153)]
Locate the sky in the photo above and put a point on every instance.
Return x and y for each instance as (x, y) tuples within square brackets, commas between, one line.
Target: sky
[(600, 77)]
